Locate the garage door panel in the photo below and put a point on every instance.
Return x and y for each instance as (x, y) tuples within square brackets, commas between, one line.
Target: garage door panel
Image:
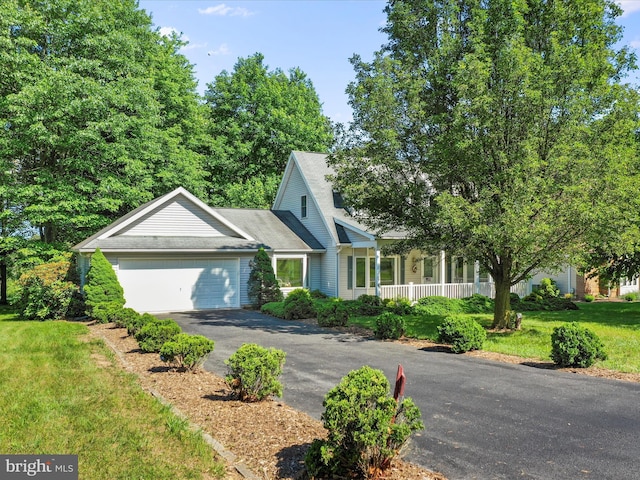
[(180, 284)]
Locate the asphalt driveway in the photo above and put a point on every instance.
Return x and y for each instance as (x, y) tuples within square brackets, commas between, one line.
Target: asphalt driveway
[(483, 419)]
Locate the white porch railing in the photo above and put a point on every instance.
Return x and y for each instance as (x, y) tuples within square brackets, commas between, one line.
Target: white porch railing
[(452, 290)]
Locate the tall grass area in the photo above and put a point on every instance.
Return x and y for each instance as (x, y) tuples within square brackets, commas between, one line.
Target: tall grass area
[(55, 398), (616, 323)]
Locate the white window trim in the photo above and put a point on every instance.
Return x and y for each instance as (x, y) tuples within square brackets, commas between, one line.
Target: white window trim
[(305, 262)]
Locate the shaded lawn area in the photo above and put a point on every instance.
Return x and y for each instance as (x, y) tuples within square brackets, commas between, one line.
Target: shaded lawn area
[(60, 394), (616, 323)]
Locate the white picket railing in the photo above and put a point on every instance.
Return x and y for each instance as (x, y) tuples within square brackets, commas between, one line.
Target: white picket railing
[(451, 290)]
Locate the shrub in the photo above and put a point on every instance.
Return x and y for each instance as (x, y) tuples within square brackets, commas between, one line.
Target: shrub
[(102, 283), (124, 317), (575, 346), (46, 292), (477, 303), (187, 351), (136, 323), (333, 314), (437, 305), (156, 333), (588, 297), (366, 427), (275, 309), (254, 372), (630, 297), (400, 306), (317, 294), (369, 305), (106, 312), (462, 333), (298, 304), (548, 288), (262, 284), (389, 325)]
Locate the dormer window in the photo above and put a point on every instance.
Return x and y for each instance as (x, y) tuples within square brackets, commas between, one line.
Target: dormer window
[(303, 206)]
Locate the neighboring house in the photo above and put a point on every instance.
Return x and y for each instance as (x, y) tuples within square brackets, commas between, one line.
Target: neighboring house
[(177, 253), (570, 280)]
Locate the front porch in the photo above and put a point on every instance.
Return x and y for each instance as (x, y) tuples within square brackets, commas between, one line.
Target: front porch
[(416, 275)]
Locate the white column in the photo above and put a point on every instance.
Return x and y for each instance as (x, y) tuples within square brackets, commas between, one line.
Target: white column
[(377, 280), (443, 272), (476, 276)]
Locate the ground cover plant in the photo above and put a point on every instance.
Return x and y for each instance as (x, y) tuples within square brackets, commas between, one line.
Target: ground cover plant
[(59, 394)]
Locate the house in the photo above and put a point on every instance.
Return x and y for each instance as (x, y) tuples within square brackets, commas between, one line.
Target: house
[(176, 253)]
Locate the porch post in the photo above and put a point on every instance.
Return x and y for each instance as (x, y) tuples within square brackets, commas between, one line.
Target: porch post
[(443, 272), (377, 280), (476, 276)]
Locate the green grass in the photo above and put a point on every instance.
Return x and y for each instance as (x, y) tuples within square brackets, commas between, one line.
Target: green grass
[(55, 398), (616, 323)]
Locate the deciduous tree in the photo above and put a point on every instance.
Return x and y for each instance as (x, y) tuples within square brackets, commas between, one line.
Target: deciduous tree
[(257, 117), (498, 130)]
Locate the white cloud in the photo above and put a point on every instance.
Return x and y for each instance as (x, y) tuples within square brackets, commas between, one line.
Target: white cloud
[(221, 50), (629, 6), (224, 10), (168, 31), (635, 44), (193, 46)]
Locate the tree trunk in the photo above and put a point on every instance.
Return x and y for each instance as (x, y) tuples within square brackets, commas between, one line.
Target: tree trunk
[(3, 284), (502, 303)]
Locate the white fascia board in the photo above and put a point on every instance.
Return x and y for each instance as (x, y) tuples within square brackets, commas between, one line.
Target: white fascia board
[(355, 229)]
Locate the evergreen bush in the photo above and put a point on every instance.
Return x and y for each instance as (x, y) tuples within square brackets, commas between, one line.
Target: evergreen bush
[(299, 304), (389, 326), (186, 351), (332, 314), (102, 283), (366, 428), (462, 333), (136, 323), (106, 312), (575, 346), (124, 317), (262, 284), (156, 333), (254, 372), (588, 297)]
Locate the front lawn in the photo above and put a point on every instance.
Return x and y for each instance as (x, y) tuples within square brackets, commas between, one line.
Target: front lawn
[(60, 394), (616, 323)]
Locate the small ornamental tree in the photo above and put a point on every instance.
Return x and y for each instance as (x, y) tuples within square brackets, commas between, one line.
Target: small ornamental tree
[(263, 285), (102, 283)]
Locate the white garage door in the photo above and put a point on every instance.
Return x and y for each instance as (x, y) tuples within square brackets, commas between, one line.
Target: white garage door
[(173, 285)]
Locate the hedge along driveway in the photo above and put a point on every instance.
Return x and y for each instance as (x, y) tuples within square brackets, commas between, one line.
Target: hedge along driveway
[(483, 419)]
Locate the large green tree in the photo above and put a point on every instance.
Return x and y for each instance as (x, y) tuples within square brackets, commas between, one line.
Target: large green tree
[(99, 113), (257, 117), (494, 129)]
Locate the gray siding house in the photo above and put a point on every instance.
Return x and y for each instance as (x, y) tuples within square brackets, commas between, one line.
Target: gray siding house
[(176, 253)]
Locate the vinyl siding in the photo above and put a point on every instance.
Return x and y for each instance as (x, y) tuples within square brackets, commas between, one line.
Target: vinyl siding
[(178, 218)]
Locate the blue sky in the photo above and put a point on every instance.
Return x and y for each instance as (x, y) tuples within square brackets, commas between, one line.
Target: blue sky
[(318, 36)]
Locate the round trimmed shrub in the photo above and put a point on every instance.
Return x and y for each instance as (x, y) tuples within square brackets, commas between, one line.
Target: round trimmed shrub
[(299, 304), (369, 305), (366, 427), (124, 316), (254, 372), (573, 345), (462, 333), (156, 333), (187, 351), (389, 326)]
